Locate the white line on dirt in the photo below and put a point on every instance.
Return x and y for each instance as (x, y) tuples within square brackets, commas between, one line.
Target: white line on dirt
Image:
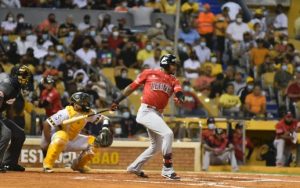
[(193, 182)]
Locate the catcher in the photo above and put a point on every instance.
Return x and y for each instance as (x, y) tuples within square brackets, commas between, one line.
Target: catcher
[(58, 137)]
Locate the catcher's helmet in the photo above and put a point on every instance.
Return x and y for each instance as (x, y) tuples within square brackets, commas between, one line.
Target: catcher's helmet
[(23, 75), (167, 60), (82, 99)]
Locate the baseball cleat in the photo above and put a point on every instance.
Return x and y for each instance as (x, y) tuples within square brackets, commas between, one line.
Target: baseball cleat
[(2, 169), (48, 170), (140, 174), (172, 176), (14, 167)]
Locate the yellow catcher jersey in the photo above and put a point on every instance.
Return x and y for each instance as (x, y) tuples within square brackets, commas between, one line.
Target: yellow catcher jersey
[(72, 129)]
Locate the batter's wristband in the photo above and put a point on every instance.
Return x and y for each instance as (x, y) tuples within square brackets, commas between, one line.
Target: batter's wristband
[(119, 99)]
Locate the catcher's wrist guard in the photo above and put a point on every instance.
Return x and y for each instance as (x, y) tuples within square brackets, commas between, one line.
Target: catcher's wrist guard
[(104, 139)]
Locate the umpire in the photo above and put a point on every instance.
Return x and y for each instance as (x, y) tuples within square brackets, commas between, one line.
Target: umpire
[(10, 88)]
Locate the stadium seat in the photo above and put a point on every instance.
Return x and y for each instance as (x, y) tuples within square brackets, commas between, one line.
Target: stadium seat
[(109, 74)]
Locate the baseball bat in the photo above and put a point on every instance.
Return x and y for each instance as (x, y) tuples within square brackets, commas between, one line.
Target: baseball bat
[(77, 118)]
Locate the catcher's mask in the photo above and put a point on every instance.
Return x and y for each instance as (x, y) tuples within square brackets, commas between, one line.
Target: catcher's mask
[(23, 75), (83, 100)]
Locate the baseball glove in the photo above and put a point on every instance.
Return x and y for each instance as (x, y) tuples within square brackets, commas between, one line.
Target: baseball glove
[(104, 139)]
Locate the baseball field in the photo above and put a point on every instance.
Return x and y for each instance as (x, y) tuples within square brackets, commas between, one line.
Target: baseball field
[(65, 178)]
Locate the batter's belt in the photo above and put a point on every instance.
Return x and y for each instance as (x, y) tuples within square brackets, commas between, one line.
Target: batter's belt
[(153, 107)]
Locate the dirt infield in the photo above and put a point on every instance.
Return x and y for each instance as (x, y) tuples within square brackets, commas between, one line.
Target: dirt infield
[(118, 179)]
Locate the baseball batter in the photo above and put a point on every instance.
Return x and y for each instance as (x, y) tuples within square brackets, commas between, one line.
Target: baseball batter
[(58, 137), (159, 86)]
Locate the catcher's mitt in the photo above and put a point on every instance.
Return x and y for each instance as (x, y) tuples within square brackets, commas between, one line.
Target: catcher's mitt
[(104, 139)]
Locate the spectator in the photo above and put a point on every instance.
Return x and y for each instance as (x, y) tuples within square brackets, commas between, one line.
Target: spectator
[(255, 103), (267, 77), (81, 78), (158, 33), (154, 62), (122, 79), (285, 139), (105, 55), (229, 103), (217, 86), (95, 99), (169, 6), (115, 40), (52, 58), (22, 43), (216, 67), (243, 92), (205, 23), (80, 3), (49, 25), (9, 25), (141, 14), (202, 51), (236, 30), (5, 65), (68, 25), (293, 93), (260, 19), (221, 24), (10, 4), (258, 54), (104, 25), (281, 79), (257, 31), (190, 7), (12, 54), (40, 51), (281, 20), (86, 24), (50, 98), (237, 141), (192, 66), (144, 54), (188, 34), (202, 83), (233, 10), (157, 7), (191, 106), (128, 54), (68, 68), (122, 6), (229, 75), (216, 151), (21, 24), (128, 123), (238, 82), (86, 53)]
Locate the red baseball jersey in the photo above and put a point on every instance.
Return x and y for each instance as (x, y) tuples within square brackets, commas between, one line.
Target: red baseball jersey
[(282, 127), (158, 87), (52, 97)]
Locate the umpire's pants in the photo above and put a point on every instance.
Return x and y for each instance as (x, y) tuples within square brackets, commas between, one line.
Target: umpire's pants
[(10, 131)]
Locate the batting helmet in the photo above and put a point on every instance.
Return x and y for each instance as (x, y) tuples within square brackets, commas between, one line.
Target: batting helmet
[(167, 60), (82, 99), (49, 80)]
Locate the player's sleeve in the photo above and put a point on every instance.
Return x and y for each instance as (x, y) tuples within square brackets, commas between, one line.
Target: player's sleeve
[(177, 86), (140, 80), (57, 118), (279, 129)]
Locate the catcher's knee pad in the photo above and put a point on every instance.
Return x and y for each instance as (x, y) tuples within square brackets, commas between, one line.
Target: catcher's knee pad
[(57, 145), (83, 158)]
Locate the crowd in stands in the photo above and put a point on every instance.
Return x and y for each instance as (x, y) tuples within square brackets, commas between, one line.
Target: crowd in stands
[(242, 65)]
